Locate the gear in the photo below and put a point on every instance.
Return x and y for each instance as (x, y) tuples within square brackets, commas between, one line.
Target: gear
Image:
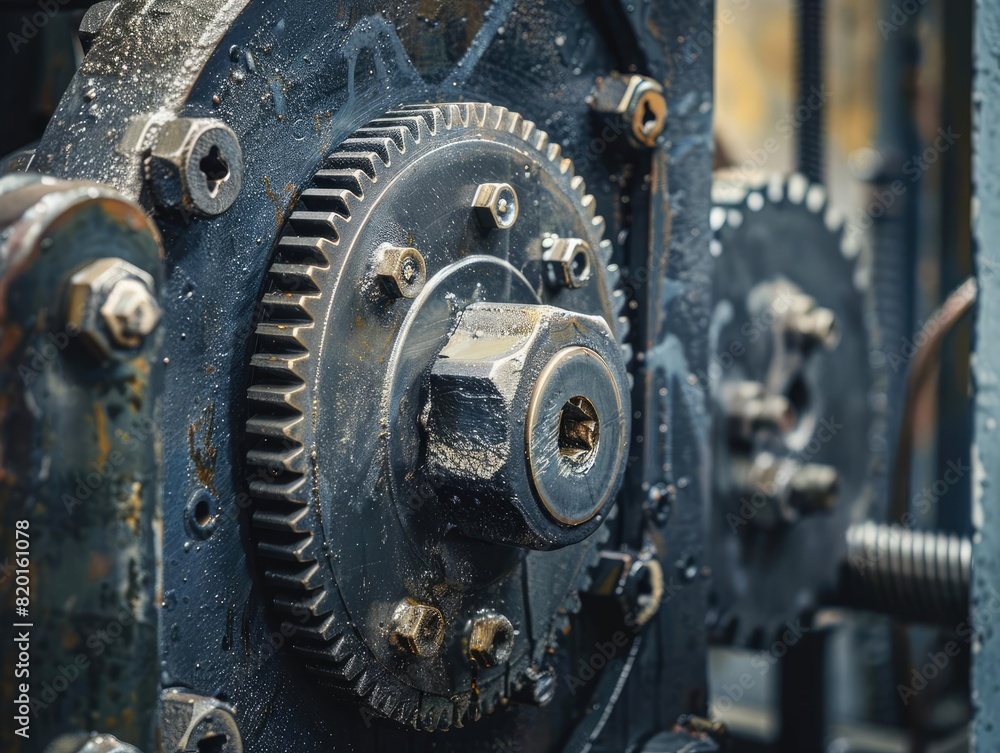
[(420, 215), (792, 396)]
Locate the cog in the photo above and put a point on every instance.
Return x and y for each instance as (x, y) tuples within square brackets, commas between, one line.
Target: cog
[(345, 521), (792, 394)]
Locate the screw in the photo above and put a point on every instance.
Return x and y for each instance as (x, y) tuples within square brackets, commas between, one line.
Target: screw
[(814, 488), (491, 640), (417, 628), (401, 271), (196, 165), (111, 304), (496, 206), (567, 262)]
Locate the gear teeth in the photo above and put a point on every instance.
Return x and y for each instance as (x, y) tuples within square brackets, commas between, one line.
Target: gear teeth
[(293, 492), (297, 250), (395, 132), (282, 337), (316, 605), (294, 580), (363, 162), (605, 249), (276, 398), (578, 184), (598, 224), (272, 427), (384, 147), (402, 123), (295, 277), (322, 632), (287, 306), (283, 366), (287, 522), (349, 179), (432, 117), (334, 200), (313, 223), (287, 460), (541, 140), (293, 551)]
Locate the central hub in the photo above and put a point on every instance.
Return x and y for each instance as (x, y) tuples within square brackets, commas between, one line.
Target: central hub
[(516, 465)]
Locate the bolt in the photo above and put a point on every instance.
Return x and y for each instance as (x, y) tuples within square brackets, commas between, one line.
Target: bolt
[(750, 408), (646, 108), (93, 742), (401, 271), (195, 166), (811, 324), (130, 312), (491, 640), (567, 262), (635, 104), (539, 687), (496, 206), (417, 628), (111, 304), (814, 488)]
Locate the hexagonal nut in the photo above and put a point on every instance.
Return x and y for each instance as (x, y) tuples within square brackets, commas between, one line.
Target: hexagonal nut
[(637, 102), (400, 271), (496, 206), (195, 166), (110, 304), (417, 628), (567, 262), (491, 639), (508, 387)]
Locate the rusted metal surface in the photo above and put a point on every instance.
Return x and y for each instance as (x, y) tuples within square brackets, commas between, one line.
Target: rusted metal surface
[(80, 460)]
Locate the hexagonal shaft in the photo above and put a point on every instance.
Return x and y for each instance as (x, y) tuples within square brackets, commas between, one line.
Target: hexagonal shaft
[(534, 382)]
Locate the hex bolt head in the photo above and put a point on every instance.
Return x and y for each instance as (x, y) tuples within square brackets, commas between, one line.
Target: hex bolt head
[(810, 324), (400, 271), (417, 628), (491, 639), (633, 104), (496, 206), (195, 166), (567, 262), (130, 312), (112, 305), (646, 109), (750, 408)]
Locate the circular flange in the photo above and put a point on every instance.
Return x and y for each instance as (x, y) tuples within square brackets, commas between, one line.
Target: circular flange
[(349, 525), (575, 436)]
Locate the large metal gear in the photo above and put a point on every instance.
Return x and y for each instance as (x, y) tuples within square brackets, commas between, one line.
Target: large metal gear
[(427, 226), (792, 402)]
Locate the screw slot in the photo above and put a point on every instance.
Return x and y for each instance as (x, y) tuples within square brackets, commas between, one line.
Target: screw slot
[(579, 432), (215, 169)]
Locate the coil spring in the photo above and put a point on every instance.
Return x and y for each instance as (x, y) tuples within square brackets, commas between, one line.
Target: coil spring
[(921, 576)]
